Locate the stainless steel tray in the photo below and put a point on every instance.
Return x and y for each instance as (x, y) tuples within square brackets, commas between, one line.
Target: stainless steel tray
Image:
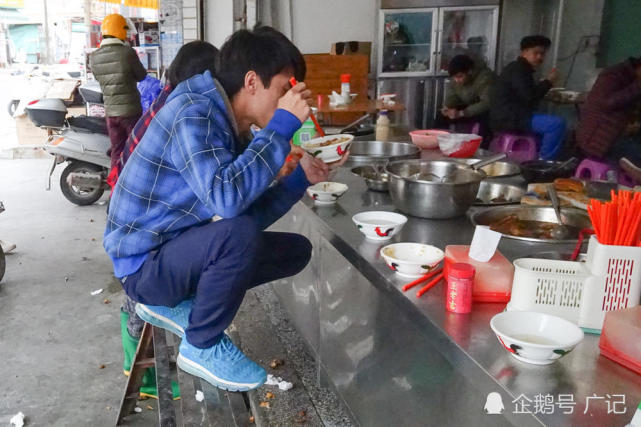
[(576, 219), (368, 152), (490, 190)]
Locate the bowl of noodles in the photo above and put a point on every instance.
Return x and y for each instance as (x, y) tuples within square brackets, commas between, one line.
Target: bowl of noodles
[(330, 148)]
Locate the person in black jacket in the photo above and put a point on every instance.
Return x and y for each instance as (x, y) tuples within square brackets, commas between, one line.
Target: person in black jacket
[(516, 96)]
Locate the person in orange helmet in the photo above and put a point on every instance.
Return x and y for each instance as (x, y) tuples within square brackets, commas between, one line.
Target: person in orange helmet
[(117, 68)]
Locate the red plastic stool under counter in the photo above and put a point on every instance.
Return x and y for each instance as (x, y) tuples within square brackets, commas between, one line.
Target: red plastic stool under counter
[(493, 279), (620, 337)]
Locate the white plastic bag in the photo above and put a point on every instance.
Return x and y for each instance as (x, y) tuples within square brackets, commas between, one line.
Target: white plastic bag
[(452, 142)]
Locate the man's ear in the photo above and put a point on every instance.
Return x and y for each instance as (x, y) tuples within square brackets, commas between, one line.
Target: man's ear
[(251, 82)]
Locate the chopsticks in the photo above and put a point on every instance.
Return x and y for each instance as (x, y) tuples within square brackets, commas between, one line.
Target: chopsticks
[(320, 131), (429, 285), (422, 279), (617, 222)]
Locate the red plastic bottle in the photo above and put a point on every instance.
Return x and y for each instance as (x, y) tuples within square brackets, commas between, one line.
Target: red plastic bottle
[(460, 281)]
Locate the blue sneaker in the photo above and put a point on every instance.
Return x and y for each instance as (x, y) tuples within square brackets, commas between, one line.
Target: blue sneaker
[(222, 365), (174, 319)]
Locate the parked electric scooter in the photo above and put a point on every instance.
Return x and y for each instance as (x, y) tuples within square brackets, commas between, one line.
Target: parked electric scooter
[(82, 142)]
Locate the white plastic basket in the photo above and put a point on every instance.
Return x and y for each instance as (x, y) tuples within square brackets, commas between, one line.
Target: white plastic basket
[(615, 282), (548, 286)]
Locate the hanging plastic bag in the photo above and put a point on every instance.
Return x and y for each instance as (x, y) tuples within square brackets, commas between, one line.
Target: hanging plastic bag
[(149, 89)]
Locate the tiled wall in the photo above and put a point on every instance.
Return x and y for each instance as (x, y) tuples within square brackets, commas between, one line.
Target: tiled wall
[(190, 20)]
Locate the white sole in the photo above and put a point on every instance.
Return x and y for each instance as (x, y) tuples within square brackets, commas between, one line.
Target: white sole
[(194, 368), (165, 322)]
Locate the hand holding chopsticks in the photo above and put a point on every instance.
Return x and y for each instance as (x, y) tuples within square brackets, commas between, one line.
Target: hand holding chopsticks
[(320, 131)]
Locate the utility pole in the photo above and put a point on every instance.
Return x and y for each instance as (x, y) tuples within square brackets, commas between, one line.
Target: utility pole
[(48, 59), (87, 10)]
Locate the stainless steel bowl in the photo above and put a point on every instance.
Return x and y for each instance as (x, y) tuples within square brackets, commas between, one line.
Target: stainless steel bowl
[(574, 219), (500, 169), (375, 177), (433, 198), (492, 193), (368, 152)]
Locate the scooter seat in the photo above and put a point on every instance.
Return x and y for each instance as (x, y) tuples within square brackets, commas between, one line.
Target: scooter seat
[(91, 124)]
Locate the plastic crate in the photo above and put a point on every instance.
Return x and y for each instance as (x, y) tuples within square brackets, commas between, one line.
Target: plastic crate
[(548, 286)]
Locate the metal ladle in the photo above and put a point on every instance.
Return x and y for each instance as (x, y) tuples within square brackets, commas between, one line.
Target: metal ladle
[(559, 232), (443, 179)]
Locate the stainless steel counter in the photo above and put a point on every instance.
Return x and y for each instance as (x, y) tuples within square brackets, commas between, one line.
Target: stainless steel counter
[(400, 360)]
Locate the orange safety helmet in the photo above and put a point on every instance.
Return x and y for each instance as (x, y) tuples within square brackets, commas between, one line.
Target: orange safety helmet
[(114, 25)]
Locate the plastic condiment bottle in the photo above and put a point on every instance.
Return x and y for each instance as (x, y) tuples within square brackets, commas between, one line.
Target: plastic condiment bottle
[(382, 126), (460, 280), (345, 89)]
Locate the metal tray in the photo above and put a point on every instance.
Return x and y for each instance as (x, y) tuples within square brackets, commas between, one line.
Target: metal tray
[(490, 190), (369, 152), (571, 217)]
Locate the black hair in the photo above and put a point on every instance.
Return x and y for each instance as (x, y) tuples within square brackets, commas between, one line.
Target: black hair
[(264, 50), (460, 64), (193, 58), (528, 42)]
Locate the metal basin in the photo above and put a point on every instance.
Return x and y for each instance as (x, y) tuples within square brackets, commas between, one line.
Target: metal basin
[(574, 219), (368, 152), (500, 169), (492, 193), (375, 177), (433, 198)]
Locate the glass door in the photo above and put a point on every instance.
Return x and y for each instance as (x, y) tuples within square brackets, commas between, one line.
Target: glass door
[(406, 42), (470, 31)]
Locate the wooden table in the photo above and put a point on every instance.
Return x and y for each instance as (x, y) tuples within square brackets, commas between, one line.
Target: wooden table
[(361, 106)]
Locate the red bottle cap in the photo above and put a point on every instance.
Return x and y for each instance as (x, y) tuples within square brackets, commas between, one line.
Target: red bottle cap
[(345, 78), (461, 270)]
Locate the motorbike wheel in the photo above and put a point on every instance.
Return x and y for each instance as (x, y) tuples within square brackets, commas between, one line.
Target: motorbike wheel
[(12, 106), (2, 263), (79, 195)]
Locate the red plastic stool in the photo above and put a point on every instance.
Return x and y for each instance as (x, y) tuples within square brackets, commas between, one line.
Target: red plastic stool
[(518, 147), (594, 170)]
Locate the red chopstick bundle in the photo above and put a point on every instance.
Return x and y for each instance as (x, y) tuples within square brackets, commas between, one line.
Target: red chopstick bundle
[(617, 222)]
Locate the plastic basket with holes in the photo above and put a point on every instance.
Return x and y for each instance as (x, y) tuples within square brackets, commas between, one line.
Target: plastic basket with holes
[(548, 286), (615, 282)]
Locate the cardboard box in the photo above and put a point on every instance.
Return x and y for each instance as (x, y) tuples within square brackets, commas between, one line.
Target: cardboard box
[(28, 133), (351, 48)]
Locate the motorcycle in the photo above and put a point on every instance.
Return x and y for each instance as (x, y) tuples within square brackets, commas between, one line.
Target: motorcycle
[(81, 141)]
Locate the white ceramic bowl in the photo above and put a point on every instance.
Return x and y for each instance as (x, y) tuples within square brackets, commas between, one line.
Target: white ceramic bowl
[(536, 338), (338, 145), (411, 260), (326, 193), (379, 225)]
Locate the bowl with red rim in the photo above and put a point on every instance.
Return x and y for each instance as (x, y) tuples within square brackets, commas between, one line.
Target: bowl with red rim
[(379, 225), (427, 138), (330, 148)]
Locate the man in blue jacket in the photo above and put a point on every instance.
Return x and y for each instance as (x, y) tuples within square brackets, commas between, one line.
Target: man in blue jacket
[(199, 159)]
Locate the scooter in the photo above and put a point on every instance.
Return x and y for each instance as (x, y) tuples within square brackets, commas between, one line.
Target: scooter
[(80, 141)]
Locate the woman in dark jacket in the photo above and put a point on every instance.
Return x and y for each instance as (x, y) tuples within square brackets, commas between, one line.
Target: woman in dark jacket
[(516, 96), (608, 114)]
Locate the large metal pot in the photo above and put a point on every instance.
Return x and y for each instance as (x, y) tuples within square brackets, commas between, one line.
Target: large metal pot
[(501, 169), (417, 187), (370, 152)]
